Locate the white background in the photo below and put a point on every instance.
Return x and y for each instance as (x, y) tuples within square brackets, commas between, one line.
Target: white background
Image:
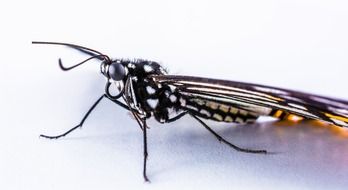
[(300, 45)]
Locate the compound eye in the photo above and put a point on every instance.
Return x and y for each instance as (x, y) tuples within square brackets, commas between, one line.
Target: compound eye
[(116, 71)]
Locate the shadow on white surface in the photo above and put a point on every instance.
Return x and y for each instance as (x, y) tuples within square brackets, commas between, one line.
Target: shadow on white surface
[(305, 156)]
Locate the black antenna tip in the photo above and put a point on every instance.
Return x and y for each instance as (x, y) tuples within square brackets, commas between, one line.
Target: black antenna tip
[(36, 42), (61, 65)]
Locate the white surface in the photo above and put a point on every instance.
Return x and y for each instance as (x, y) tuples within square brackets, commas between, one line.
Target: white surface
[(297, 44)]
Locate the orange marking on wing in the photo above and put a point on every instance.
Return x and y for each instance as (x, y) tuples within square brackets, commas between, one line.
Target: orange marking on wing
[(278, 113), (293, 117), (337, 117)]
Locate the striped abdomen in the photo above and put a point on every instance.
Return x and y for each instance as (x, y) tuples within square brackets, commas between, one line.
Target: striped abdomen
[(218, 111)]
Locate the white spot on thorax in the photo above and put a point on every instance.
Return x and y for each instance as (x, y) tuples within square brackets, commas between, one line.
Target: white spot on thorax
[(148, 68), (150, 90), (152, 103), (172, 88), (131, 65), (173, 98), (170, 110), (167, 93)]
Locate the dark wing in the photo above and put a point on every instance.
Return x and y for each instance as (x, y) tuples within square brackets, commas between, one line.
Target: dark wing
[(259, 99)]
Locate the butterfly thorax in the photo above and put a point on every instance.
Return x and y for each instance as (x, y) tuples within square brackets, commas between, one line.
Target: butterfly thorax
[(151, 98)]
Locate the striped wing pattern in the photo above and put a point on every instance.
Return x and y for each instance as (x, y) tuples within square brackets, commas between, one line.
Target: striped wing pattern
[(231, 101)]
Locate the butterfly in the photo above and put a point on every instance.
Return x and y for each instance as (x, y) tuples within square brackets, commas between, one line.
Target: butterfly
[(146, 90)]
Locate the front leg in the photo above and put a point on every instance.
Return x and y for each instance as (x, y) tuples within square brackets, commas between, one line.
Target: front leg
[(85, 117), (77, 126)]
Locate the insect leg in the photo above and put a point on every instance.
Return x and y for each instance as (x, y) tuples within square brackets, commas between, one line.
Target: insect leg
[(84, 118), (143, 126), (145, 151), (225, 141), (119, 103), (80, 124), (177, 117)]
